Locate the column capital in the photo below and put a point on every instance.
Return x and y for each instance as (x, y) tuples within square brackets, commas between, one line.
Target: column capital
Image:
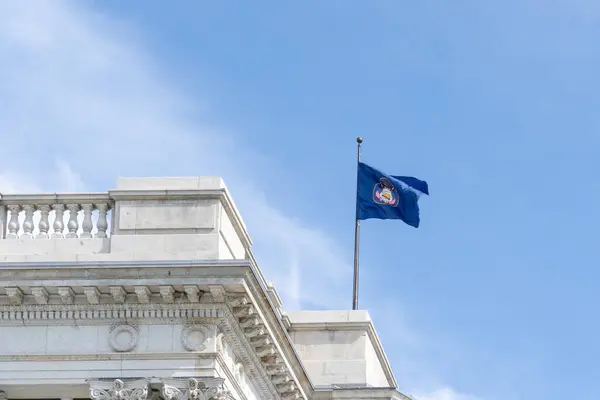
[(119, 390), (194, 389)]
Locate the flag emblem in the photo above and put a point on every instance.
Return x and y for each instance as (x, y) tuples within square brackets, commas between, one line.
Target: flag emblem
[(385, 193)]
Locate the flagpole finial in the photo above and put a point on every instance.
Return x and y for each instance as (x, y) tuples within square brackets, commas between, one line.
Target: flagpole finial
[(359, 140)]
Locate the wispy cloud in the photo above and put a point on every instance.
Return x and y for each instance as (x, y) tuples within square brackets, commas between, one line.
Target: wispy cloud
[(82, 103), (444, 394)]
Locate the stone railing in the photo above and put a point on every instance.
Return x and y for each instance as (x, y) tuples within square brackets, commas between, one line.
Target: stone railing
[(142, 219), (55, 216)]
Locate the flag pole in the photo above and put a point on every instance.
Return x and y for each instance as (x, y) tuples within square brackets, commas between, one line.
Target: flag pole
[(359, 141)]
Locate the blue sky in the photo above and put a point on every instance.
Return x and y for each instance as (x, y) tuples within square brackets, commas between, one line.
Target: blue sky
[(493, 103)]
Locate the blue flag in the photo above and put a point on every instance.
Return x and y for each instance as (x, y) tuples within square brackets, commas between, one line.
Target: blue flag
[(383, 196)]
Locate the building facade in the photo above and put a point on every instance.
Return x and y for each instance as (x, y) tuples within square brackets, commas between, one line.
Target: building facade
[(151, 291)]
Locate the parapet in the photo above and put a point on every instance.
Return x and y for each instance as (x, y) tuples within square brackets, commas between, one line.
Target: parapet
[(180, 218), (340, 349)]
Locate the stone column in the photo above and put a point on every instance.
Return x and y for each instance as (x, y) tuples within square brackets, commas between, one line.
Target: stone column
[(119, 390)]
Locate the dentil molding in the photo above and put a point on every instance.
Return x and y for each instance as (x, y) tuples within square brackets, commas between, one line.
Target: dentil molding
[(61, 314)]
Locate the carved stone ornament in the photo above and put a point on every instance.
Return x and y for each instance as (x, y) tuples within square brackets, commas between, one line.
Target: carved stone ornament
[(167, 293), (40, 294), (192, 292), (118, 294), (218, 293), (15, 295), (124, 338), (87, 315), (67, 296), (119, 390), (238, 368), (143, 294), (3, 395), (194, 389), (92, 294), (195, 337)]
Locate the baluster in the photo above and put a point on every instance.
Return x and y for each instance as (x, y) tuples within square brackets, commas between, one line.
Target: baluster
[(59, 221), (86, 224), (102, 223), (44, 224), (28, 223), (13, 225), (73, 224)]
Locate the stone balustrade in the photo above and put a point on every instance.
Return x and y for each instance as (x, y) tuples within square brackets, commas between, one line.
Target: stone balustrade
[(142, 219), (55, 216)]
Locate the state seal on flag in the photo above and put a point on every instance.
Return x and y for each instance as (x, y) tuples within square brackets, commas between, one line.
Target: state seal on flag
[(385, 193)]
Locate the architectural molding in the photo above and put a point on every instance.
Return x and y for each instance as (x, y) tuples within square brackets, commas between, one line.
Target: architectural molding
[(193, 293), (256, 287), (195, 337), (119, 390), (60, 314), (143, 294), (238, 318), (118, 294), (258, 337), (359, 393), (15, 295), (217, 292), (267, 356), (40, 294), (106, 357), (92, 294), (195, 389), (233, 335), (89, 266), (131, 334), (233, 376), (166, 293), (66, 294)]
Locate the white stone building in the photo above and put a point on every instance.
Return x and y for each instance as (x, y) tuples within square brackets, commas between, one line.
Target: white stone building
[(151, 291)]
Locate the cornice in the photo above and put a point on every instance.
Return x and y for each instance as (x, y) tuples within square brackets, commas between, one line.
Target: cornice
[(108, 314), (246, 329), (236, 219), (260, 334), (90, 265), (170, 194), (55, 198), (109, 356), (259, 286), (246, 354), (92, 293)]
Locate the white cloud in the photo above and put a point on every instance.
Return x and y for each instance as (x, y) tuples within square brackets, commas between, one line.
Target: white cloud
[(445, 394), (81, 103), (11, 182)]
